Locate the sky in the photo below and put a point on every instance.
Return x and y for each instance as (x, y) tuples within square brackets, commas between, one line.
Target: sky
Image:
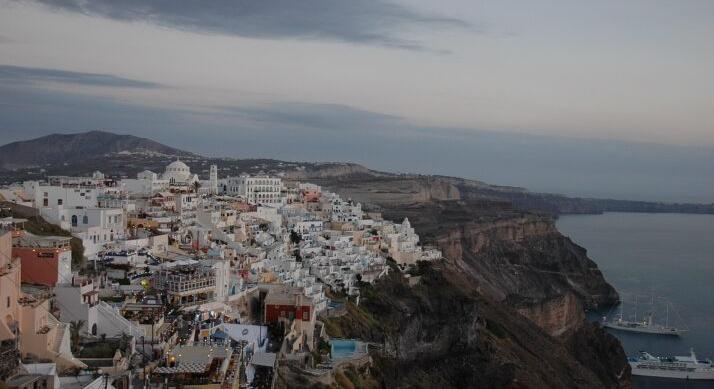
[(607, 98)]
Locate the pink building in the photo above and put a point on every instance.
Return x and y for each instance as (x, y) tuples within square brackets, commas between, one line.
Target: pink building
[(26, 322), (46, 260)]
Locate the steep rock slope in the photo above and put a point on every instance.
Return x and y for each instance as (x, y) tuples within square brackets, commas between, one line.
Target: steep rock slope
[(438, 334), (525, 279)]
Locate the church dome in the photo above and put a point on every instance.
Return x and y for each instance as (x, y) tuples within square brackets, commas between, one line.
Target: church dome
[(178, 172), (177, 166)]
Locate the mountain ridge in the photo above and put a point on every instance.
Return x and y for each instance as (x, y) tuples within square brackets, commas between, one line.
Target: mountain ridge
[(66, 148), (19, 162)]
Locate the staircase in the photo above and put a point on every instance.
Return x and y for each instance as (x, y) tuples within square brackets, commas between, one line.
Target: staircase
[(118, 321), (61, 329)]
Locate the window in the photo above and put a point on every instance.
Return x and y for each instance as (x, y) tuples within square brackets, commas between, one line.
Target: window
[(59, 201), (74, 220), (8, 302), (45, 202), (85, 219)]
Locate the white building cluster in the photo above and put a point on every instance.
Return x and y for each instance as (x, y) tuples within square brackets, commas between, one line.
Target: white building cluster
[(211, 246)]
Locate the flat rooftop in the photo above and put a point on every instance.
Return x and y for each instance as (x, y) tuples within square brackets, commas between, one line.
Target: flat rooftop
[(195, 358)]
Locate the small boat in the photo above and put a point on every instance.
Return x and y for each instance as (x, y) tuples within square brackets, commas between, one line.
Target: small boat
[(688, 368), (644, 326)]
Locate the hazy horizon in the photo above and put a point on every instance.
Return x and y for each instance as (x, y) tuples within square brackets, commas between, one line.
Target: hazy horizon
[(674, 174)]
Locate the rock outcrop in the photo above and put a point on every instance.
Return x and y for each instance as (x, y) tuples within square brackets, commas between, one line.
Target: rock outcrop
[(557, 316), (518, 289), (438, 334)]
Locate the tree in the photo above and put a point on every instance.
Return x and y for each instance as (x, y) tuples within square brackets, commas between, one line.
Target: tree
[(75, 327), (295, 237), (196, 185), (125, 343)]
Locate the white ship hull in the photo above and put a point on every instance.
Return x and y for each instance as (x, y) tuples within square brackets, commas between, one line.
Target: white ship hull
[(702, 374), (644, 329)]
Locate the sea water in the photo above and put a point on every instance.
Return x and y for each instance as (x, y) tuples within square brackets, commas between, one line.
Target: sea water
[(662, 255)]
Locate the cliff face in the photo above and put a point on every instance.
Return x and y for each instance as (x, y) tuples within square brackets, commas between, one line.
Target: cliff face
[(329, 170), (525, 260), (390, 191), (438, 334), (525, 287), (382, 188), (557, 316), (509, 255)]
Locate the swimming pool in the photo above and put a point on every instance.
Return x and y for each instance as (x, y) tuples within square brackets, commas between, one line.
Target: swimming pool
[(346, 348)]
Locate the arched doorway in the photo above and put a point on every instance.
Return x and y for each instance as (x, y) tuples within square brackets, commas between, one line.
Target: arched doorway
[(94, 329)]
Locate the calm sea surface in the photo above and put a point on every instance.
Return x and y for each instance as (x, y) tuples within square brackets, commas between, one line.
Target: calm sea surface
[(669, 256)]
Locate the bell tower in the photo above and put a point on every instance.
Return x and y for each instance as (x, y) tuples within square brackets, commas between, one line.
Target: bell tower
[(213, 179)]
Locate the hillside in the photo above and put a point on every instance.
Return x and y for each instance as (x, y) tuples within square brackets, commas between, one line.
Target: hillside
[(438, 333), (504, 309), (72, 148), (509, 296), (125, 155)]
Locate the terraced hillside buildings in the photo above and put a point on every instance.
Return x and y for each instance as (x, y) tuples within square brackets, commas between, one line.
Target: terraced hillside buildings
[(212, 254)]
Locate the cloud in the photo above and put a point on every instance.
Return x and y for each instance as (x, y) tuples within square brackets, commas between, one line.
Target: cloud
[(19, 74), (27, 111), (333, 117), (374, 22)]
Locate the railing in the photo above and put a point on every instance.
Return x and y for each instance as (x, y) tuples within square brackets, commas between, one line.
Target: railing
[(9, 358), (196, 302)]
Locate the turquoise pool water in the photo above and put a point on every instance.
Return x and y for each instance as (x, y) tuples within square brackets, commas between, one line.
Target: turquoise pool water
[(346, 348)]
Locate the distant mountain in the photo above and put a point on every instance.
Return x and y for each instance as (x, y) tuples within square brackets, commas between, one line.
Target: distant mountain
[(69, 148)]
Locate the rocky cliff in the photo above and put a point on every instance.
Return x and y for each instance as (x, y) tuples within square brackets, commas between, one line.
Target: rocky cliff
[(516, 288), (557, 315), (384, 188), (439, 334)]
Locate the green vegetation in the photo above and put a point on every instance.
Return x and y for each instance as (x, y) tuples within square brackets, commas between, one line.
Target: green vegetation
[(295, 238), (75, 327), (37, 225), (113, 299), (105, 349)]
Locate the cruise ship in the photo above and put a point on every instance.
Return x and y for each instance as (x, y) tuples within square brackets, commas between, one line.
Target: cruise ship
[(688, 368)]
